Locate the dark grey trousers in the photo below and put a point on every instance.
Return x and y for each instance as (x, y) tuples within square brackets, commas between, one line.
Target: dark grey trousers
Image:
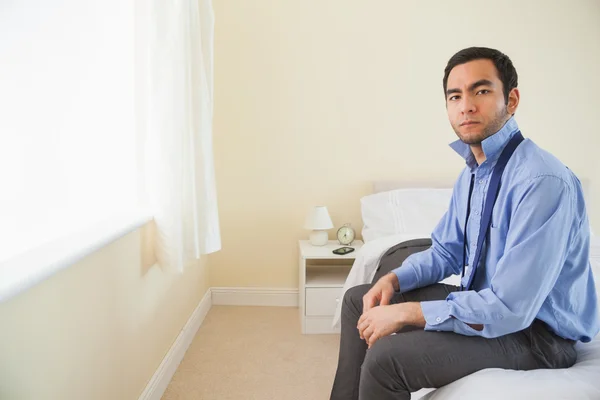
[(413, 359)]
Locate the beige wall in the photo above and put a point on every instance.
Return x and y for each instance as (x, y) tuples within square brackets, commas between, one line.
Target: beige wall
[(97, 330), (316, 99)]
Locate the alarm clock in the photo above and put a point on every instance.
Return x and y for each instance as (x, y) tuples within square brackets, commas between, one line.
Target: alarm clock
[(346, 235)]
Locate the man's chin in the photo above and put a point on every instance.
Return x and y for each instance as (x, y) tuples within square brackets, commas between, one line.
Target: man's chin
[(471, 138)]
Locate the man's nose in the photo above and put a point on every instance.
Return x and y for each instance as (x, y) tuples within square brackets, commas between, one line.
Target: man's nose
[(468, 105)]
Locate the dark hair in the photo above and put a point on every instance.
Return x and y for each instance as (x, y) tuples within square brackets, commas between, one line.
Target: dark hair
[(506, 71)]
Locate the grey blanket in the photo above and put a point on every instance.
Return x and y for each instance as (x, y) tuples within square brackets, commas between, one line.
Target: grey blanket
[(396, 254)]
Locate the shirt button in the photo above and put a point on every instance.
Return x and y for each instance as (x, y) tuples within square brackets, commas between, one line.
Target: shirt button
[(438, 319), (481, 181), (476, 212)]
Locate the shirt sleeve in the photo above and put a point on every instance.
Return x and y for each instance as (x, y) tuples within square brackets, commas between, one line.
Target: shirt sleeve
[(536, 248), (444, 257)]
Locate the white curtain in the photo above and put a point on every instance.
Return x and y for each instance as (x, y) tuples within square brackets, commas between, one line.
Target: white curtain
[(179, 180)]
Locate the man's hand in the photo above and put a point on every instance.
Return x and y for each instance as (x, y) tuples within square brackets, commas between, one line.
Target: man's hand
[(381, 293), (384, 320)]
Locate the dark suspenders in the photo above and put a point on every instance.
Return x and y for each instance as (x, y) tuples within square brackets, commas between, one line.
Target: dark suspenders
[(490, 200)]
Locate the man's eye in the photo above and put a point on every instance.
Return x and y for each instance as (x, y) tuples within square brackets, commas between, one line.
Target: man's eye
[(453, 98), (483, 91)]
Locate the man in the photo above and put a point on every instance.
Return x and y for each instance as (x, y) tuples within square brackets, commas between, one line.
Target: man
[(530, 298)]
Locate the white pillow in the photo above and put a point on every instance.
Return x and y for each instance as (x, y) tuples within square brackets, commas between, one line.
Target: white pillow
[(402, 211)]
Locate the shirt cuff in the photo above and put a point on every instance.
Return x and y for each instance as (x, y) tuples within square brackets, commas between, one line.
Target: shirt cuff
[(407, 278), (437, 315)]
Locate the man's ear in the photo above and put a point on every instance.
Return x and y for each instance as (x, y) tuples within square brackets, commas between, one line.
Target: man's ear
[(513, 100)]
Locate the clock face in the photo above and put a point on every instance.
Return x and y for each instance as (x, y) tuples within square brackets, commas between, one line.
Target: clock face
[(345, 235)]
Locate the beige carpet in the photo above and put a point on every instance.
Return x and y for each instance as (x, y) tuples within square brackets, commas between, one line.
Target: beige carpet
[(255, 353)]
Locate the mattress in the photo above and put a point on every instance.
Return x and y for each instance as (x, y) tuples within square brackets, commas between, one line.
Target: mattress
[(581, 381)]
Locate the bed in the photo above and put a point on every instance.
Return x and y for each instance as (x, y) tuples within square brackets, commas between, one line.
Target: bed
[(400, 211)]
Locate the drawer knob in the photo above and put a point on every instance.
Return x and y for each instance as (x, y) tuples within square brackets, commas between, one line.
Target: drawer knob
[(337, 299)]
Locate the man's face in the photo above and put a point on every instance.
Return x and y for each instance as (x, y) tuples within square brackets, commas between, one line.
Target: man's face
[(475, 101)]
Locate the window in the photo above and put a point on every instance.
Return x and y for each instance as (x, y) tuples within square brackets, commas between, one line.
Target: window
[(67, 118)]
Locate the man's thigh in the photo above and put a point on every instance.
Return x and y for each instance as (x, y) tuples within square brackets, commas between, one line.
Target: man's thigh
[(438, 291), (423, 359)]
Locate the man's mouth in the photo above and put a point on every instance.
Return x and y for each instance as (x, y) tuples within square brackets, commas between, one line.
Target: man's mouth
[(469, 123)]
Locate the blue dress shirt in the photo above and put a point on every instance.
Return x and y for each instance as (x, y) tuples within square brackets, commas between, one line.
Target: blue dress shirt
[(536, 260)]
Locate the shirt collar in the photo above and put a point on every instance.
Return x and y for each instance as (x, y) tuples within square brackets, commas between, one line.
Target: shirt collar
[(492, 146)]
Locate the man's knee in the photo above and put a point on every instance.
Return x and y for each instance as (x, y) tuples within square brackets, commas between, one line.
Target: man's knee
[(379, 357), (354, 295), (352, 305)]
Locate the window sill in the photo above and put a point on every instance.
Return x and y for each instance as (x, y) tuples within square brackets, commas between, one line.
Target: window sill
[(22, 272)]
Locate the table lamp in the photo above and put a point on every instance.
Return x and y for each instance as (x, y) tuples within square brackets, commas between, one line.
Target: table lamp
[(319, 221)]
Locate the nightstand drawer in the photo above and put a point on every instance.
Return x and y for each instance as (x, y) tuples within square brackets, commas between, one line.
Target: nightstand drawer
[(322, 301)]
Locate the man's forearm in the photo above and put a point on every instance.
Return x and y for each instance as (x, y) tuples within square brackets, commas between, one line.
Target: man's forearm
[(412, 314), (416, 317)]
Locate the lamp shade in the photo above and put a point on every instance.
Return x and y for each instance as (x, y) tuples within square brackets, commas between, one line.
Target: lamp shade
[(318, 218)]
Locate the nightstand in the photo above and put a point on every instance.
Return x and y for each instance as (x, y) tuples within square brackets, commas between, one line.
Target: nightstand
[(322, 278)]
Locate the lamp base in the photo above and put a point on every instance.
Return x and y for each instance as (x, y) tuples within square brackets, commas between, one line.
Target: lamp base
[(318, 238)]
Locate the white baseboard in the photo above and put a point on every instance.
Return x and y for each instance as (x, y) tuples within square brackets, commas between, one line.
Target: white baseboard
[(163, 375), (232, 296), (218, 296)]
